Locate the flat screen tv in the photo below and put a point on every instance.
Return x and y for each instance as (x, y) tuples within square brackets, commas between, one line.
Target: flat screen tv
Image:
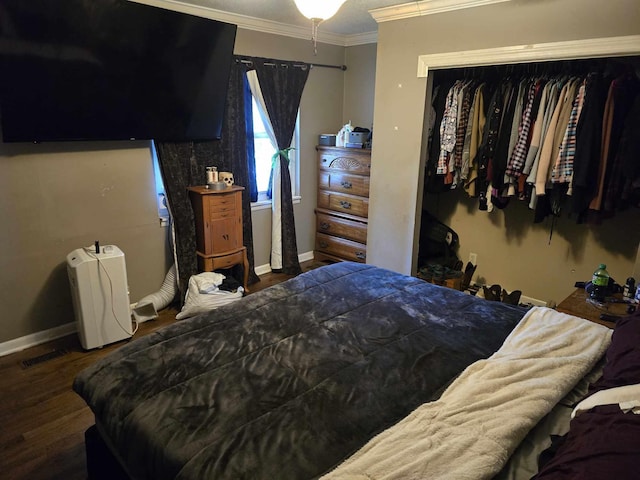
[(110, 70)]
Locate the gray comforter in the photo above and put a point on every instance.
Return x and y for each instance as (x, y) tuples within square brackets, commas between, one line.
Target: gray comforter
[(288, 382)]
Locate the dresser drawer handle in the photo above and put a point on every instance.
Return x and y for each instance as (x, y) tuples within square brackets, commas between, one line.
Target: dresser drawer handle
[(347, 185), (324, 226), (361, 255), (345, 205), (323, 244)]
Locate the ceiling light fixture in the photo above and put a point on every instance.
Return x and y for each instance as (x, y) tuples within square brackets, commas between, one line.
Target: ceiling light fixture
[(317, 12)]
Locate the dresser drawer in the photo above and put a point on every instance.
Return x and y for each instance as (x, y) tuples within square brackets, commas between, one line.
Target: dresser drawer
[(209, 264), (343, 203), (353, 251), (344, 183), (341, 227), (222, 203), (222, 206), (358, 161)]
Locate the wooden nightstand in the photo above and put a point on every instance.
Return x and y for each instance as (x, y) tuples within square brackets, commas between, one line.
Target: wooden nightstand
[(218, 219), (577, 304)]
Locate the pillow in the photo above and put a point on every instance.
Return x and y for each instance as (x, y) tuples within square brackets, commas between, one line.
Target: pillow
[(623, 355), (204, 295)]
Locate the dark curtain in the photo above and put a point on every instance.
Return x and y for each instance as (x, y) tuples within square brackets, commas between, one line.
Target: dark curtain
[(282, 84), (252, 183), (183, 165)]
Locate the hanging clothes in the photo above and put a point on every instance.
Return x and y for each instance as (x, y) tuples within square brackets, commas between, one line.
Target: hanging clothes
[(551, 141), (464, 104), (487, 147), (556, 135), (588, 145), (517, 118), (475, 130), (629, 152), (624, 91), (531, 163), (519, 153), (498, 165), (554, 96), (448, 127), (562, 171), (434, 182)]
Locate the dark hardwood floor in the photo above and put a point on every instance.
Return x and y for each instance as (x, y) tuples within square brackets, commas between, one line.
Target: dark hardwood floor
[(42, 421)]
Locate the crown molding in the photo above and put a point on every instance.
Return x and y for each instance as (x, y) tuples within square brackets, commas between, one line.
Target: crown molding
[(425, 7), (259, 25), (361, 39), (541, 52)]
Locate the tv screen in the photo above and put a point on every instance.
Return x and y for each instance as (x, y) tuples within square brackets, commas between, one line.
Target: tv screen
[(110, 70)]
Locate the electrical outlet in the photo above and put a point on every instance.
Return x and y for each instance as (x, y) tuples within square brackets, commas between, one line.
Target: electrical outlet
[(473, 258)]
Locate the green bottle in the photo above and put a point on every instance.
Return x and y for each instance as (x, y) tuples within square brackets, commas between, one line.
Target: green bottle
[(600, 283)]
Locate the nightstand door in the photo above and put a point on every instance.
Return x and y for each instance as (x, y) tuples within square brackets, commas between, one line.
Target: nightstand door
[(223, 235)]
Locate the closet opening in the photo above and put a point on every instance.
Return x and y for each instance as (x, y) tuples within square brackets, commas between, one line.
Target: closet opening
[(533, 160)]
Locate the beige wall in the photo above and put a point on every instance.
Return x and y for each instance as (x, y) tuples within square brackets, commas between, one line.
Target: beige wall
[(55, 198), (359, 85), (397, 162)]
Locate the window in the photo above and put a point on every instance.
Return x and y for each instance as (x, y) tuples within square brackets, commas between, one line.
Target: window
[(163, 211), (264, 151)]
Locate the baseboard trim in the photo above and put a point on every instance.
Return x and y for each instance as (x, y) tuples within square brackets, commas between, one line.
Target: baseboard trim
[(19, 344), (266, 268), (533, 301)]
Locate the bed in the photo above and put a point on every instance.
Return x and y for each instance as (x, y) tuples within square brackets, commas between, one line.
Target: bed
[(309, 377), (603, 440)]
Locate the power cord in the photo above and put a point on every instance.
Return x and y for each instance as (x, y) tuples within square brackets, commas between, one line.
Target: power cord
[(93, 254)]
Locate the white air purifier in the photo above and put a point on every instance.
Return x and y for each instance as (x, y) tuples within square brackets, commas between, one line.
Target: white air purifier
[(100, 295)]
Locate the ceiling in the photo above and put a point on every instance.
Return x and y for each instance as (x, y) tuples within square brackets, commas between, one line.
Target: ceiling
[(355, 23), (353, 18)]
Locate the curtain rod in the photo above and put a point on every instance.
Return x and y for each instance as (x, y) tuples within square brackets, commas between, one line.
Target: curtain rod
[(322, 65), (312, 65)]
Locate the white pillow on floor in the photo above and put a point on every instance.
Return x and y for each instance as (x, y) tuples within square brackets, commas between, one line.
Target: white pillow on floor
[(203, 295)]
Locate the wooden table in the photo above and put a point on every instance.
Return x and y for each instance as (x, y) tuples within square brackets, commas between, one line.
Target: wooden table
[(577, 304)]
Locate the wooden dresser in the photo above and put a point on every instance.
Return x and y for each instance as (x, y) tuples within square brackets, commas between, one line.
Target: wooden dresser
[(343, 203), (218, 219)]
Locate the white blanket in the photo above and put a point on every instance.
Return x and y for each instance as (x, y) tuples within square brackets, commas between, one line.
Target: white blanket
[(470, 432)]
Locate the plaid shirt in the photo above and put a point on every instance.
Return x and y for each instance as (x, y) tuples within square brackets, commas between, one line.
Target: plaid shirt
[(519, 154), (463, 121), (563, 167)]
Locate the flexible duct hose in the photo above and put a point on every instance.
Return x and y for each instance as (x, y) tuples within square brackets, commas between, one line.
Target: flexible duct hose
[(163, 297)]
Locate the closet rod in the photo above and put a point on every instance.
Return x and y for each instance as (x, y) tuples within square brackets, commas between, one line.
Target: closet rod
[(312, 65)]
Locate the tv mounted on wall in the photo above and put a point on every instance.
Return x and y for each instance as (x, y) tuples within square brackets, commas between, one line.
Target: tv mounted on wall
[(110, 70)]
